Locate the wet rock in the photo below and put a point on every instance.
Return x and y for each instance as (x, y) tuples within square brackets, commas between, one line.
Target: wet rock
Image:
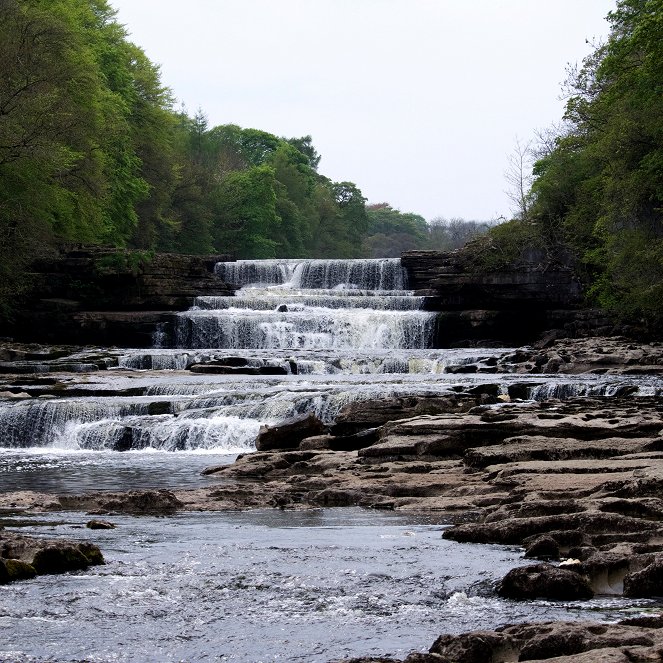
[(54, 559), (99, 524), (12, 570), (646, 583), (537, 447), (355, 417), (606, 571), (477, 647), (316, 442), (612, 355), (514, 531), (45, 556), (152, 502), (544, 581), (289, 434), (337, 497), (543, 547), (541, 642), (4, 574), (562, 642), (221, 369)]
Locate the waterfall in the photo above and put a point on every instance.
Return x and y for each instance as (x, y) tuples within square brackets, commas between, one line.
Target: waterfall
[(377, 274), (307, 305), (300, 336)]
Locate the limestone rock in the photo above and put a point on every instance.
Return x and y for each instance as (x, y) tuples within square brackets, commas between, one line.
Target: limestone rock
[(99, 524), (646, 583), (544, 581), (289, 434), (543, 547), (45, 556)]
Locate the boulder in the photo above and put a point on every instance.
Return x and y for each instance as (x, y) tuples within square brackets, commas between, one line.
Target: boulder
[(99, 524), (544, 581), (645, 583), (543, 547), (18, 570), (289, 434), (477, 647), (44, 556)]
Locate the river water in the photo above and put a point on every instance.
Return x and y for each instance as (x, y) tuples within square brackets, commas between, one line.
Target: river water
[(266, 586), (300, 336)]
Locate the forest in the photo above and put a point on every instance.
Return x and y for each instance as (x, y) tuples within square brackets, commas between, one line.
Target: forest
[(94, 151)]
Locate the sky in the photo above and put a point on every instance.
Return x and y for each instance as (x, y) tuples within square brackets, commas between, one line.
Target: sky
[(419, 102)]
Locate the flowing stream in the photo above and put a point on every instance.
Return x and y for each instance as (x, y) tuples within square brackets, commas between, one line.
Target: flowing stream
[(299, 336)]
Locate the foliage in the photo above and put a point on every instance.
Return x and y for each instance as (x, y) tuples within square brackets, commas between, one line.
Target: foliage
[(390, 231), (506, 246), (598, 186)]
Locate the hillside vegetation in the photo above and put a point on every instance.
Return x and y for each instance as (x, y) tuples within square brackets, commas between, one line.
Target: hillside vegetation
[(597, 189)]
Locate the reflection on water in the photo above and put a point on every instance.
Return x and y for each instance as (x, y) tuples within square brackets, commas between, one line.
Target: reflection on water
[(266, 586), (74, 472)]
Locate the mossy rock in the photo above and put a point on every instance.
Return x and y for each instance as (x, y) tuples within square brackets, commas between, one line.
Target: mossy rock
[(59, 559), (92, 553), (19, 570)]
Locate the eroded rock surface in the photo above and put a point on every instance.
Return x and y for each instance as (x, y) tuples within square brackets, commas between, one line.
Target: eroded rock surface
[(630, 641)]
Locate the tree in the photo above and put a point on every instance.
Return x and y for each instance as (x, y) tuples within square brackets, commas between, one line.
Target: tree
[(244, 214), (447, 235), (51, 170), (519, 178), (390, 232)]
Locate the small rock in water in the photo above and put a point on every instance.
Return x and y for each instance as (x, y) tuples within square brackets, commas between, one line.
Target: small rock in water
[(99, 524)]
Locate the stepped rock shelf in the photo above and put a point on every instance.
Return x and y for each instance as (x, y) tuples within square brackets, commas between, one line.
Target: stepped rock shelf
[(335, 372), (105, 297)]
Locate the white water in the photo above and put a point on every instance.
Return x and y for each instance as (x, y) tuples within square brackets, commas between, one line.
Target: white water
[(309, 585), (271, 586), (337, 331), (309, 305)]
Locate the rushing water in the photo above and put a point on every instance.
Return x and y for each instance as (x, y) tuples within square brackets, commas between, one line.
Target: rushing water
[(326, 333), (299, 337), (266, 586)]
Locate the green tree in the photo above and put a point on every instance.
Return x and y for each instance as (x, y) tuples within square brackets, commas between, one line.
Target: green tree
[(244, 214), (390, 232)]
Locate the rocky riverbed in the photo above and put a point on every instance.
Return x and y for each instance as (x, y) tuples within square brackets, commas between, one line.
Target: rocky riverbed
[(575, 481)]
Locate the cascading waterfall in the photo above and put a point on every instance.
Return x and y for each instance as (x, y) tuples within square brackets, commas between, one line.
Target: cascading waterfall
[(311, 304), (300, 336), (380, 274)]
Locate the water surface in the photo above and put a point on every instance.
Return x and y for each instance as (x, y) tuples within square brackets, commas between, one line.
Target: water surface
[(266, 586)]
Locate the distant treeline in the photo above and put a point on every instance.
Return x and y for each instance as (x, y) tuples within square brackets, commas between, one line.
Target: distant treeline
[(391, 232)]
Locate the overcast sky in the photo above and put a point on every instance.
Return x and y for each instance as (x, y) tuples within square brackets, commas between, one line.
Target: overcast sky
[(419, 102)]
